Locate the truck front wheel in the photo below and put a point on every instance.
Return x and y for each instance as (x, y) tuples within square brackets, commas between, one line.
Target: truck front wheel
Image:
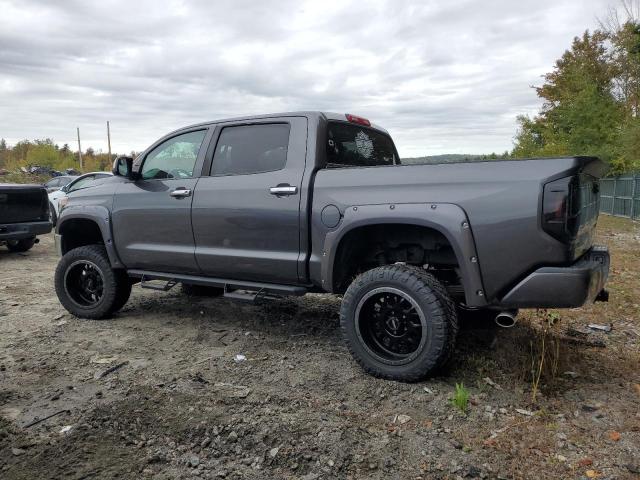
[(399, 323), (86, 284)]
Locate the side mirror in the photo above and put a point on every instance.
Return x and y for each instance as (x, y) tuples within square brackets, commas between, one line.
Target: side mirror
[(123, 166)]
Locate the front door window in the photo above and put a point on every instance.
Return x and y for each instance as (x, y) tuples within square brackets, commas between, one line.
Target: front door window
[(174, 158)]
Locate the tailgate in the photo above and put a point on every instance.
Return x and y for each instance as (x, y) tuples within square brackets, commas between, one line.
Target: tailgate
[(23, 203)]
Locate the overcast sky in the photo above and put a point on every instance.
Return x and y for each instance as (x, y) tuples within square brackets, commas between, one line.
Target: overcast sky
[(442, 76)]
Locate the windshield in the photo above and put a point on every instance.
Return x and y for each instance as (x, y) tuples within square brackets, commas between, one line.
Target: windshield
[(354, 145)]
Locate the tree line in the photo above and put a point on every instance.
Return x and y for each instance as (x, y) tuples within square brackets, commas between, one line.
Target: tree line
[(591, 99), (46, 153)]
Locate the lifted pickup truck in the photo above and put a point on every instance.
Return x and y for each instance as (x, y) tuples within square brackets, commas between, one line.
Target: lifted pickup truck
[(24, 213), (293, 203)]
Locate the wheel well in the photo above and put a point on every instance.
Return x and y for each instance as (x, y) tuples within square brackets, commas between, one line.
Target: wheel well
[(372, 246), (78, 232)]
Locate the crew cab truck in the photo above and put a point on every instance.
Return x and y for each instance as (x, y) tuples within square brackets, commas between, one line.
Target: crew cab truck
[(24, 214), (287, 204)]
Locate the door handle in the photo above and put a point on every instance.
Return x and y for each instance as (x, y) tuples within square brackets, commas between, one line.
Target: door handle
[(180, 193), (282, 190)]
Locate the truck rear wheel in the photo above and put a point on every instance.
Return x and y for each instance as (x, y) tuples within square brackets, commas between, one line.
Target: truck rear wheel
[(21, 245), (399, 322), (86, 284)]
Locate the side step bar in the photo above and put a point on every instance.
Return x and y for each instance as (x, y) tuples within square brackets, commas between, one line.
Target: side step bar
[(250, 296), (256, 290)]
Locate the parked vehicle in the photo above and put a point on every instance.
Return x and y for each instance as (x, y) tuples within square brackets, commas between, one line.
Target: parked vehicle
[(78, 183), (24, 213), (56, 183), (318, 202)]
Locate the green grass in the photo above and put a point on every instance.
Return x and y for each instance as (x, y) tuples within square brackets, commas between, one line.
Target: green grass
[(460, 398), (23, 178)]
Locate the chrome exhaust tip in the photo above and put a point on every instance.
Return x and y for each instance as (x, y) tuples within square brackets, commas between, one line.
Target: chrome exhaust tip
[(506, 319)]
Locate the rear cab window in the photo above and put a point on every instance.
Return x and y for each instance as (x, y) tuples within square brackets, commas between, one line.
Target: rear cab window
[(351, 145)]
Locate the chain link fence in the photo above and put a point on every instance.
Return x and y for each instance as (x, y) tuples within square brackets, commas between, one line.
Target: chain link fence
[(620, 196)]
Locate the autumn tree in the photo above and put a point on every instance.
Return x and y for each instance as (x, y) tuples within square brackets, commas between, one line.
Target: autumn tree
[(580, 115), (4, 153)]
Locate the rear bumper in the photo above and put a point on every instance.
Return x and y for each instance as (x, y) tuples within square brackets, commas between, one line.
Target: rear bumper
[(562, 287), (18, 231)]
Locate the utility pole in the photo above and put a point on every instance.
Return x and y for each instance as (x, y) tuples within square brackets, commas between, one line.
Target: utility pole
[(109, 141), (79, 149)]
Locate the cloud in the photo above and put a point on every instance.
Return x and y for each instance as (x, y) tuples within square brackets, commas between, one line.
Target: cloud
[(441, 77)]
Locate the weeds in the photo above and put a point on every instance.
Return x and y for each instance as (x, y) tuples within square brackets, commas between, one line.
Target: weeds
[(460, 398), (549, 351)]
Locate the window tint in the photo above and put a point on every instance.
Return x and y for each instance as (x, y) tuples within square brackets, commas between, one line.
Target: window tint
[(52, 183), (82, 183), (174, 158), (352, 145), (251, 149)]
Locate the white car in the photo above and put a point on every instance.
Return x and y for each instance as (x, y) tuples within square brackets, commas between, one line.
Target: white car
[(83, 181), (56, 183)]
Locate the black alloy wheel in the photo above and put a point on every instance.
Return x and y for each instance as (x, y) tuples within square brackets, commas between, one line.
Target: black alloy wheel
[(84, 283), (391, 325), (399, 322)]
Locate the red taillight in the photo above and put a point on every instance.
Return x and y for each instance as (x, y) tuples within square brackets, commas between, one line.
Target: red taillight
[(555, 201), (358, 120)]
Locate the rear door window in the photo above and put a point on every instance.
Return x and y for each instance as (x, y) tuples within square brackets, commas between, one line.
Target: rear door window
[(357, 146), (247, 149)]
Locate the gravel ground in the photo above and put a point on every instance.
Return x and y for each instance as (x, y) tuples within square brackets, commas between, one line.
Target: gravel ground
[(156, 392)]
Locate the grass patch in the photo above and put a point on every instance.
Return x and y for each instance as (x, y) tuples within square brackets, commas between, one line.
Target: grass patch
[(24, 178), (460, 398)]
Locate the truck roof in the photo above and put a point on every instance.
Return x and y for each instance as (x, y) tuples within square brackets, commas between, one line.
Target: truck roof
[(307, 113)]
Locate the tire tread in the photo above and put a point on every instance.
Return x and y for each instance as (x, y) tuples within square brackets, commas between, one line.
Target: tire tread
[(116, 283), (430, 291)]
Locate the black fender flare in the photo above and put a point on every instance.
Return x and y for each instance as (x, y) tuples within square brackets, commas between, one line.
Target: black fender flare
[(99, 215), (447, 218)]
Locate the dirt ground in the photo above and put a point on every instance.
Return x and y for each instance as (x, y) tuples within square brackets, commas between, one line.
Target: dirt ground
[(179, 405)]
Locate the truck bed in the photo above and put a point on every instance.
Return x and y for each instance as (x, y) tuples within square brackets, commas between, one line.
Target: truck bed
[(500, 198)]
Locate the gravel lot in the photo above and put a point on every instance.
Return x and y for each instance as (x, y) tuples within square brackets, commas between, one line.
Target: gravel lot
[(156, 392)]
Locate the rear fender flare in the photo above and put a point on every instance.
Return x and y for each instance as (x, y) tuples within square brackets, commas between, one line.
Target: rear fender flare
[(447, 218)]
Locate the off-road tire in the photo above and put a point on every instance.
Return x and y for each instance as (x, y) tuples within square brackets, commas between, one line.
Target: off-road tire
[(21, 245), (201, 290), (116, 286), (124, 291), (436, 305)]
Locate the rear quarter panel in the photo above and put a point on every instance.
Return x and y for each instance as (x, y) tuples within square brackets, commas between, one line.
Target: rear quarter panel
[(500, 199)]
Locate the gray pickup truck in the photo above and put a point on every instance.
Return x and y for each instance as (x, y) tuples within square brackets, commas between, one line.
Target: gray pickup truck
[(286, 204), (24, 214)]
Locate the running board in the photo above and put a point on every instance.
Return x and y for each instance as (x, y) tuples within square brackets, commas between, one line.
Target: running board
[(231, 288), (145, 282), (243, 295)]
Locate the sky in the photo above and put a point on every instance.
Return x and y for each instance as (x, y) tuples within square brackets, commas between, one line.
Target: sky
[(442, 76)]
